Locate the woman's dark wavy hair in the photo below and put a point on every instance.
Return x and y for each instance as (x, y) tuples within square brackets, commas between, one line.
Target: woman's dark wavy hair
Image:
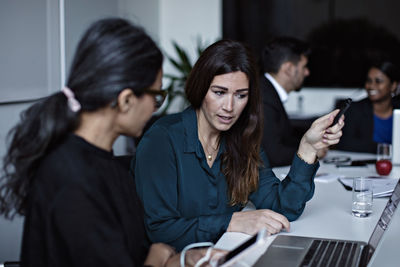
[(241, 160), (112, 55)]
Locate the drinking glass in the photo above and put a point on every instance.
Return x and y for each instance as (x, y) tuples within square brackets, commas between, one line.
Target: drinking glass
[(383, 163), (362, 197)]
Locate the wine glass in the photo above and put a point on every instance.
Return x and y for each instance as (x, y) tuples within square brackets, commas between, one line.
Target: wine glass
[(384, 159)]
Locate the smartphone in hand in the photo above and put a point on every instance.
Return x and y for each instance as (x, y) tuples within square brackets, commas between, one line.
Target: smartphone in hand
[(245, 249), (343, 109)]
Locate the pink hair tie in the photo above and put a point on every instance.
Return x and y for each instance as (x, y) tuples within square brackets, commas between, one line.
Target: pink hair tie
[(72, 102)]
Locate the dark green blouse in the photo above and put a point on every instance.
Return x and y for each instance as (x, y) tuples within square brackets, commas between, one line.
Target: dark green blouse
[(186, 201)]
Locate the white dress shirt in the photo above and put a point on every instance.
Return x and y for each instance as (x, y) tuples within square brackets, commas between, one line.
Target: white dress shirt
[(283, 95)]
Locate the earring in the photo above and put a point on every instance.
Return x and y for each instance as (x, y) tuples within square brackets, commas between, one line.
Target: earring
[(114, 103)]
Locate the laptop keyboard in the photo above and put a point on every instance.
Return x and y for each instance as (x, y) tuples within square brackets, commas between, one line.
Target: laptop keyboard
[(330, 253)]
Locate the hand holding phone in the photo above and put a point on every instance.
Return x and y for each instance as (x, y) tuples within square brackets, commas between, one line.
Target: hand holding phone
[(243, 250), (343, 109)]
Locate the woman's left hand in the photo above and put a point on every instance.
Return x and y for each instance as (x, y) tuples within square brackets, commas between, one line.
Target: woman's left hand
[(320, 135)]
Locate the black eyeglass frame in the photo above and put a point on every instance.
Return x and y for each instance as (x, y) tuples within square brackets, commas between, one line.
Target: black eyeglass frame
[(159, 95)]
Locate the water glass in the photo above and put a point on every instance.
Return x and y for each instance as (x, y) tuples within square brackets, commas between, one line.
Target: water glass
[(362, 197)]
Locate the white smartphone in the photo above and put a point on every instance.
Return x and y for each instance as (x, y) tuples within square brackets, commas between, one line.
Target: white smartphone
[(244, 249)]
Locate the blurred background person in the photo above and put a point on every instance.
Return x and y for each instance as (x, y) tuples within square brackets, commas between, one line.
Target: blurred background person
[(284, 64), (370, 120)]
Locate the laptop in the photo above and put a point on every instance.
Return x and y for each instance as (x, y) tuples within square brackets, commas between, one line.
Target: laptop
[(287, 250)]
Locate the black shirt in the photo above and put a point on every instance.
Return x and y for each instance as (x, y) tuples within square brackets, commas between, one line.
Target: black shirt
[(82, 211)]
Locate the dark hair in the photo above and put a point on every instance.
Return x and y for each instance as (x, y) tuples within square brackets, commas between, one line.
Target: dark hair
[(281, 50), (112, 55), (388, 68), (241, 160)]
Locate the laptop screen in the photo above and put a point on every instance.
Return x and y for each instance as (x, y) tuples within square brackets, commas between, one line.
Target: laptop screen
[(385, 218)]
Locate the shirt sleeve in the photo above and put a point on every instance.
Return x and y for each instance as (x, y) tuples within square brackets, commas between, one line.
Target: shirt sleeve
[(289, 196), (156, 175), (87, 230)]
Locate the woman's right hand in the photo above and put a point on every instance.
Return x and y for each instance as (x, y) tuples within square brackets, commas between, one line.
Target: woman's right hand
[(250, 222), (320, 136)]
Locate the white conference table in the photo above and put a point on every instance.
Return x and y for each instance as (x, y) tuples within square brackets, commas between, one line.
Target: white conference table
[(328, 213)]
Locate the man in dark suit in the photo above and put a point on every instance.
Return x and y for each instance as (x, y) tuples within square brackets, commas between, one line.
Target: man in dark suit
[(284, 69)]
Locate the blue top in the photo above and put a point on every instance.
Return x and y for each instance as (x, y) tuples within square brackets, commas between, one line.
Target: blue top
[(383, 129), (186, 201)]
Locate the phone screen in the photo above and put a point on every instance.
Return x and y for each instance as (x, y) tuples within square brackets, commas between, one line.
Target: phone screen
[(239, 249)]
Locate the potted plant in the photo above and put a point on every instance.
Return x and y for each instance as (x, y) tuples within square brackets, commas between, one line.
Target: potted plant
[(183, 67)]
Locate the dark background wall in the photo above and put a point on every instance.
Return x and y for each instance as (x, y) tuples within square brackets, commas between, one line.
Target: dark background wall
[(344, 34)]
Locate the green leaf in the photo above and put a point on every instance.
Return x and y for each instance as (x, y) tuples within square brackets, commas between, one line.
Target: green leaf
[(172, 77), (184, 66), (200, 48), (176, 64)]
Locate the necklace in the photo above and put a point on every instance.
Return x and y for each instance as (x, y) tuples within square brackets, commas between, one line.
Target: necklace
[(209, 155)]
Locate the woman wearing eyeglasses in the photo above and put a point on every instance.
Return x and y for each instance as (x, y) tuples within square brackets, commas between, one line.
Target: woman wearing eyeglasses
[(197, 169), (370, 120), (79, 202)]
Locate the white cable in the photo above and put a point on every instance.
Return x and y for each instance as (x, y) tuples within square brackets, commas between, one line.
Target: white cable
[(242, 263), (194, 245), (205, 258)]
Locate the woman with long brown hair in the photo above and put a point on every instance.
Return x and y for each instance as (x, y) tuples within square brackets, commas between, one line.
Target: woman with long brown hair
[(197, 169)]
